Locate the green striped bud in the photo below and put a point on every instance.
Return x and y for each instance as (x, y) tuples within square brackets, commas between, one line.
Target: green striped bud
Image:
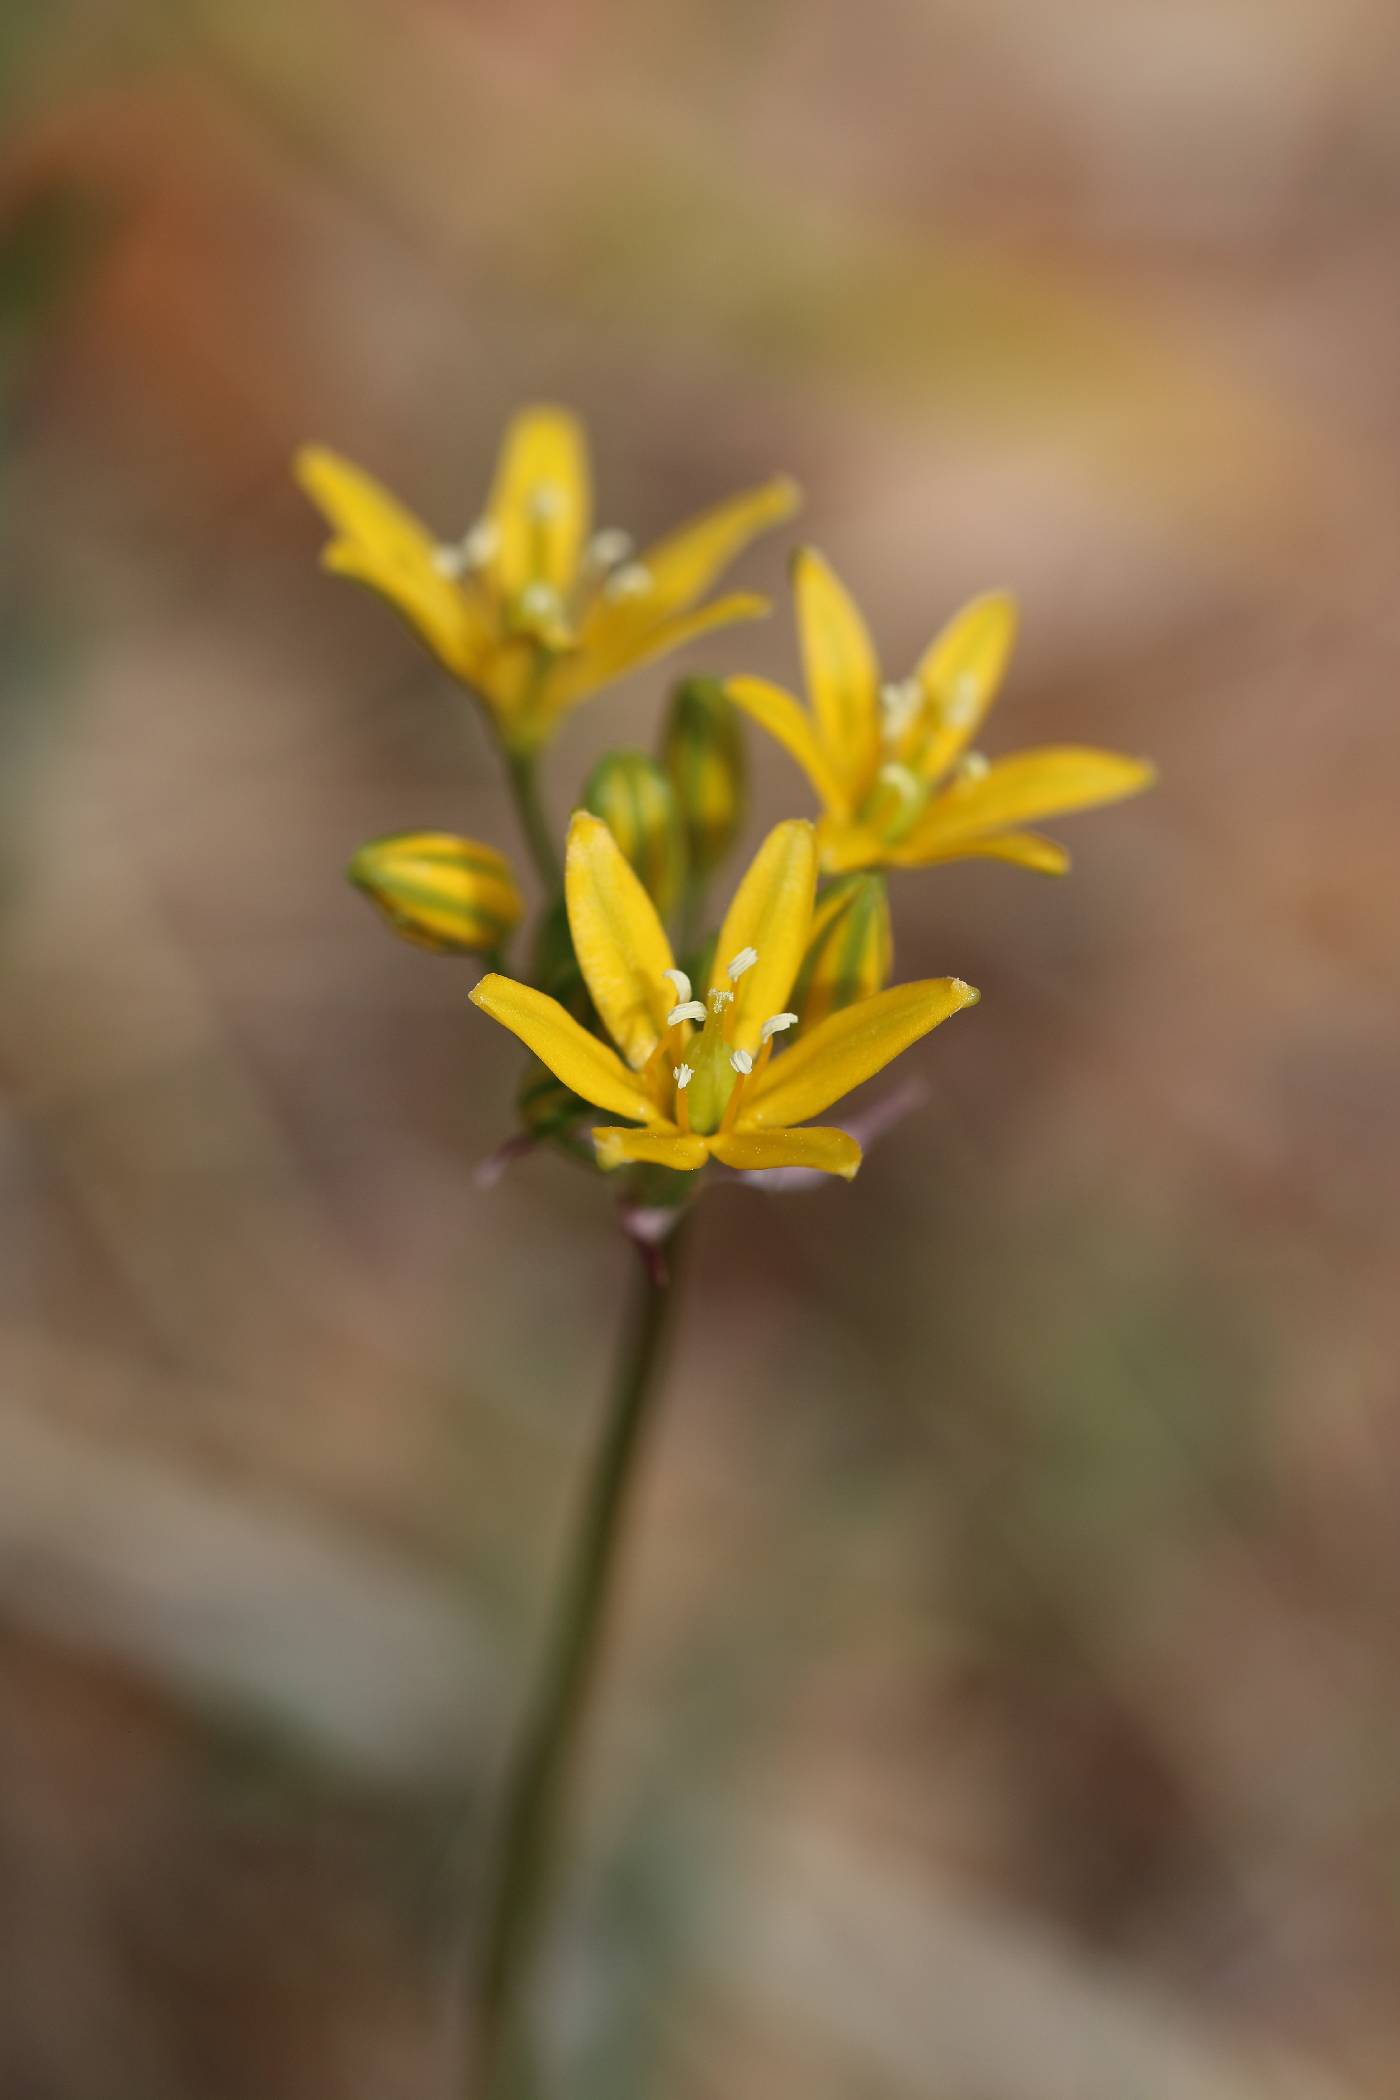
[(850, 950), (453, 895), (636, 801), (703, 752)]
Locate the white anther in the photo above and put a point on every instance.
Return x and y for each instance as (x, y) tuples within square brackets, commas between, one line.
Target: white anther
[(905, 783), (538, 600), (688, 1010), (684, 1075), (608, 547), (472, 551), (744, 960), (962, 704), (775, 1024), (719, 999), (900, 702), (681, 982), (973, 766), (545, 501), (632, 580), (742, 1062)]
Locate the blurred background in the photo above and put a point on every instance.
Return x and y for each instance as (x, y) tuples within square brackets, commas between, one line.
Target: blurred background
[(1005, 1702)]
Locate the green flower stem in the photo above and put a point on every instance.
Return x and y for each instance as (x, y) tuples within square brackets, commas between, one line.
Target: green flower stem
[(522, 770), (542, 1760)]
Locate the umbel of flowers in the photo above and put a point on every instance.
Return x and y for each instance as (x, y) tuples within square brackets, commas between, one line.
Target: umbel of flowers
[(533, 609)]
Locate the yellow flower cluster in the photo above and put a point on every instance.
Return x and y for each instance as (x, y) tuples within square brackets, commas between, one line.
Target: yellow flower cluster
[(709, 1050)]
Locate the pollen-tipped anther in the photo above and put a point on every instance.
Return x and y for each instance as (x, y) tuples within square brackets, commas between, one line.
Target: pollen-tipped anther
[(960, 707), (742, 1062), (684, 1075), (608, 547), (686, 1010), (539, 600), (632, 580), (744, 960), (775, 1024), (681, 983)]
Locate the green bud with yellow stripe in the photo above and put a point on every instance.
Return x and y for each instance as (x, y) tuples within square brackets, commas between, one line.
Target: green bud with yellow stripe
[(637, 802), (450, 894), (703, 752), (850, 950)]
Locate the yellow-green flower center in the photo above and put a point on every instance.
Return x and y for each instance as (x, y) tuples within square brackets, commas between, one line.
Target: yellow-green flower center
[(711, 1067), (540, 610)]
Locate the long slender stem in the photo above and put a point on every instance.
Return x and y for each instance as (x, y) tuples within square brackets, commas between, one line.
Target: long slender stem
[(522, 770), (540, 1766)]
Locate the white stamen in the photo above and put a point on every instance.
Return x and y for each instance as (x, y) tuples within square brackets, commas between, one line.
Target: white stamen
[(472, 551), (608, 547), (902, 780), (742, 1062), (632, 580), (688, 1010), (684, 1075), (973, 766), (681, 982), (961, 706), (539, 600), (545, 501), (719, 999), (744, 960), (775, 1024), (901, 702)]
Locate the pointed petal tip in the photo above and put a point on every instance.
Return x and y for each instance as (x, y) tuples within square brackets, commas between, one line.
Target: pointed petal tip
[(966, 994)]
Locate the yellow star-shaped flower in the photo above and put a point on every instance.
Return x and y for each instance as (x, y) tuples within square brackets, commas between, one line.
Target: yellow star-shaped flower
[(698, 1079), (531, 608), (892, 763)]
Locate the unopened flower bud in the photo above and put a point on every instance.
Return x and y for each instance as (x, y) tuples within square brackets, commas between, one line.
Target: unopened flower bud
[(850, 950), (637, 802), (703, 752), (450, 894)]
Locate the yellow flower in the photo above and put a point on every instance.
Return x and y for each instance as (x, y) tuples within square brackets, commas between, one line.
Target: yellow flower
[(531, 608), (450, 894), (891, 763), (697, 1078)]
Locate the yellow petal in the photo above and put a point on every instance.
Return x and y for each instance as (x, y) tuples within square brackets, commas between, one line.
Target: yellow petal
[(1027, 786), (362, 510), (437, 611), (620, 942), (630, 636), (843, 846), (848, 1048), (585, 1065), (772, 914), (1024, 849), (541, 500), (684, 564), (791, 725), (843, 676), (384, 547), (657, 1148), (961, 673), (826, 1151)]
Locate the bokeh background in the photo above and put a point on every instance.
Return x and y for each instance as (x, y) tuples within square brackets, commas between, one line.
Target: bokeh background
[(1005, 1702)]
